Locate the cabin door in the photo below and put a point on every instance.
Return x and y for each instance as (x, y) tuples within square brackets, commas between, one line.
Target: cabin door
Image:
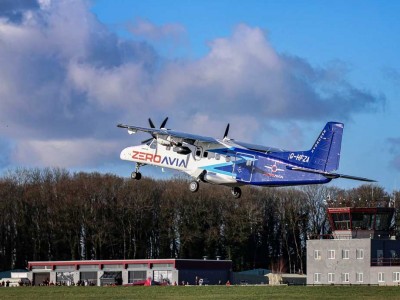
[(243, 166)]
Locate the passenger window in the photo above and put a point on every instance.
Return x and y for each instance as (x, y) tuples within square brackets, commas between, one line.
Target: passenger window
[(205, 154), (217, 156)]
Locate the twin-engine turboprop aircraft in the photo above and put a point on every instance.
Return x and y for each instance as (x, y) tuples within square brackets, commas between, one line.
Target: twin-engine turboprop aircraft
[(234, 163)]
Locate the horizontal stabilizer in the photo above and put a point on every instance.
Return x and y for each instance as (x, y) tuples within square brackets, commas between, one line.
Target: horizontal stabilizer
[(328, 174)]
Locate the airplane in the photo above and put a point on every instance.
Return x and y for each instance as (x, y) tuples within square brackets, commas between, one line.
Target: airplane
[(233, 163)]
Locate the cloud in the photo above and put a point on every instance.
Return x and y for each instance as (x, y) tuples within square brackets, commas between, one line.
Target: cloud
[(66, 80), (65, 153), (148, 30), (15, 11)]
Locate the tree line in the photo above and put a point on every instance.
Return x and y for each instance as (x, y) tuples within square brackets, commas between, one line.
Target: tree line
[(52, 214)]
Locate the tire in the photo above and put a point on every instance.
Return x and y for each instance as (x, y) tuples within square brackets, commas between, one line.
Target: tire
[(236, 192), (194, 186), (136, 175)]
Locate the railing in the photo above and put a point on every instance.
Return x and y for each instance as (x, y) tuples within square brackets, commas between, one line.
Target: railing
[(330, 237), (385, 262)]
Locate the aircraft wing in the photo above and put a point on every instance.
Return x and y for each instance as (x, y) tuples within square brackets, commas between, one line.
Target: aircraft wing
[(134, 129), (188, 137), (329, 175), (194, 137), (259, 148)]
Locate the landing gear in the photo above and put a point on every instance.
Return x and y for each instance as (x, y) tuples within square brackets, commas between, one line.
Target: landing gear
[(136, 175), (194, 186), (236, 192)]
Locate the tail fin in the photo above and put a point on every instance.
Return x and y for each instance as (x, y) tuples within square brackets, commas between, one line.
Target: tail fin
[(325, 153)]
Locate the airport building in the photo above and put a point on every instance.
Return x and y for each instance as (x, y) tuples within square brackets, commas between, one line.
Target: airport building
[(121, 272), (360, 249)]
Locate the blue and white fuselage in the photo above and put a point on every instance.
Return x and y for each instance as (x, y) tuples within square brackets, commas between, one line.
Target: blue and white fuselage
[(234, 164)]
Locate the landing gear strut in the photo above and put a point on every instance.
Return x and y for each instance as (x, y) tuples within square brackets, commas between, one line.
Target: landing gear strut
[(236, 192)]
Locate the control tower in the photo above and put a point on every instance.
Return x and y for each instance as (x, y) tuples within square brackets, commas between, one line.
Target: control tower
[(360, 250), (365, 222)]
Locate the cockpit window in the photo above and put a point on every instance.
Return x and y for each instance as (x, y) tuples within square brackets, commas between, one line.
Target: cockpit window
[(152, 144)]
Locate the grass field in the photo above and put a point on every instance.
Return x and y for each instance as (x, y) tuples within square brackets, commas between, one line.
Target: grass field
[(202, 292)]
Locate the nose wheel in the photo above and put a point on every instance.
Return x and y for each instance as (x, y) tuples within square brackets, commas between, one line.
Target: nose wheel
[(136, 175), (236, 192)]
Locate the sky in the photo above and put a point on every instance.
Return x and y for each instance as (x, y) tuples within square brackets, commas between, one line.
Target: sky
[(277, 71)]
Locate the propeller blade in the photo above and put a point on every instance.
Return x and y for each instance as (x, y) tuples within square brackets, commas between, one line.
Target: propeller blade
[(151, 123), (164, 122), (226, 131)]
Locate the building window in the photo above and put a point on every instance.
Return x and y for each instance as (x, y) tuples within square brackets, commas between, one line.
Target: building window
[(345, 254), (331, 277), (162, 276), (345, 277), (360, 253), (396, 276), (317, 254), (359, 277), (317, 277), (381, 277), (331, 254), (134, 276)]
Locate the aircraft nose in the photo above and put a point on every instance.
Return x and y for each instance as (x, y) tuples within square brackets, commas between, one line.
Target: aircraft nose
[(125, 154)]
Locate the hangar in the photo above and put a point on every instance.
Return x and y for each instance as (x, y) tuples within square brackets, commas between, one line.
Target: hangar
[(130, 271)]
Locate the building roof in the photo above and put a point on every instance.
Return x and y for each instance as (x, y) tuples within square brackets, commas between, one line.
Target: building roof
[(175, 263), (255, 272)]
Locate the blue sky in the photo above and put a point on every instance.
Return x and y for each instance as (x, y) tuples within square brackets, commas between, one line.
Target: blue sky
[(276, 70)]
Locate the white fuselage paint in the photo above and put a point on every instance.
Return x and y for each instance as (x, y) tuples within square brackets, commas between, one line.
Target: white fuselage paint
[(193, 163)]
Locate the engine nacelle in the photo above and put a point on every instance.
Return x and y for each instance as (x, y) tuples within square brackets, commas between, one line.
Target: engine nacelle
[(182, 150), (164, 142)]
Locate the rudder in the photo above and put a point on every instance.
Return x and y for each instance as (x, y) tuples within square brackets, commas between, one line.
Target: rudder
[(325, 153)]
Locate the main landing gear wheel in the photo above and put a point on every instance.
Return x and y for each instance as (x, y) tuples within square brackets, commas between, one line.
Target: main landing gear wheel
[(236, 192), (194, 186), (136, 175)]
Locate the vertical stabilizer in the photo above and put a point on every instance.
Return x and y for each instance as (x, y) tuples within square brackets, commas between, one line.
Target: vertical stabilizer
[(325, 153)]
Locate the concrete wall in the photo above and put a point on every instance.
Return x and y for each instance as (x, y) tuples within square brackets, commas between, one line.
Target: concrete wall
[(338, 265)]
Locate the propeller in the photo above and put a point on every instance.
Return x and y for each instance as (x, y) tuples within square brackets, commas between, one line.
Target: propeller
[(152, 126), (151, 123), (226, 131), (163, 123)]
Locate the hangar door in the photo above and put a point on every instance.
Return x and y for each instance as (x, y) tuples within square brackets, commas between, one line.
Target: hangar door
[(89, 277), (41, 278)]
